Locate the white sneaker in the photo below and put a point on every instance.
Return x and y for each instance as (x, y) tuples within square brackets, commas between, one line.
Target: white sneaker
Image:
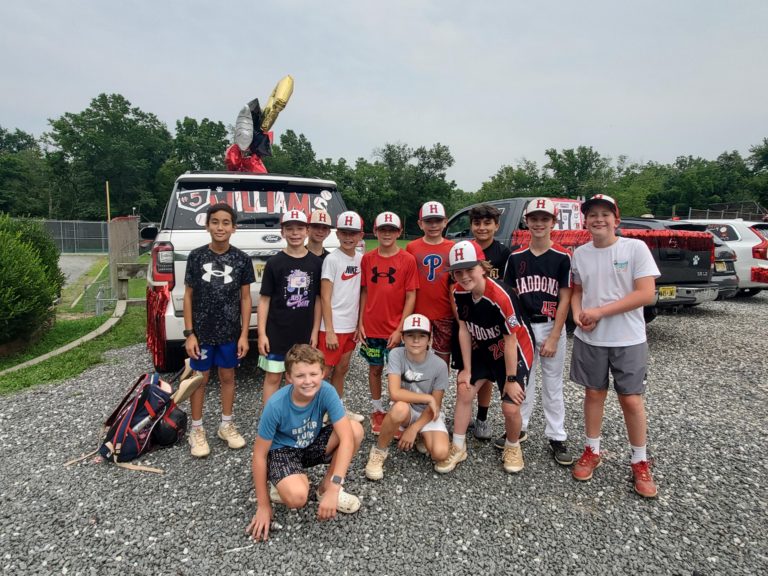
[(455, 456), (228, 432), (274, 495), (198, 443), (421, 448), (347, 503), (374, 469), (355, 416)]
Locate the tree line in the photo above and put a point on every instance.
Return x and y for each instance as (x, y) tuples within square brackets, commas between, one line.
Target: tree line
[(62, 173)]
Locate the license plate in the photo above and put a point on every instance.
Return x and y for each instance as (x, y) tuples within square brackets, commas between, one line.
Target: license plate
[(667, 292), (721, 267), (258, 270)]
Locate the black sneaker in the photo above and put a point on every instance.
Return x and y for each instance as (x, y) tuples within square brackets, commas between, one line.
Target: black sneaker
[(560, 452), (501, 441)]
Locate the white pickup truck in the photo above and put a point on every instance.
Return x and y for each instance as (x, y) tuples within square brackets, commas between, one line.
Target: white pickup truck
[(259, 200)]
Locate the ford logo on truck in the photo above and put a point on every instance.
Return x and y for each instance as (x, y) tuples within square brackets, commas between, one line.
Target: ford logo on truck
[(271, 238)]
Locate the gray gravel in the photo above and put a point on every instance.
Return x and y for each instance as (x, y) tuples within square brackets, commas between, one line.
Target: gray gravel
[(75, 265), (706, 401)]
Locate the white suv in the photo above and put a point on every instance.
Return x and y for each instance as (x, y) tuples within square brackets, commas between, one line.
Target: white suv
[(750, 242), (259, 200)]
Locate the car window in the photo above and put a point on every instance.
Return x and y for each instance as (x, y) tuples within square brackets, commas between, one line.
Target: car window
[(458, 227), (724, 232), (762, 230), (259, 203), (633, 226)]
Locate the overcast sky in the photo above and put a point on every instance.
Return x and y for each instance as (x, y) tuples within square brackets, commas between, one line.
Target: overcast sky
[(496, 81)]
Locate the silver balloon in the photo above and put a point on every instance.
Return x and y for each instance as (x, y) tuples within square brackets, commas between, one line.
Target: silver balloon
[(244, 129)]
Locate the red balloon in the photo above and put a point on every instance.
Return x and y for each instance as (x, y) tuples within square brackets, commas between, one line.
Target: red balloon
[(236, 162)]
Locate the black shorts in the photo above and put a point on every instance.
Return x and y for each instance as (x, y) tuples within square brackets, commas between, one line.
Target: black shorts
[(497, 372), (457, 362), (286, 461)]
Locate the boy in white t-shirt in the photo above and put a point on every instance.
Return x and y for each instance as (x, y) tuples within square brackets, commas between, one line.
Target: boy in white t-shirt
[(340, 298), (613, 278)]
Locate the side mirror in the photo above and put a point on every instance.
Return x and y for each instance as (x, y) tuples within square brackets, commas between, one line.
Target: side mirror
[(148, 233)]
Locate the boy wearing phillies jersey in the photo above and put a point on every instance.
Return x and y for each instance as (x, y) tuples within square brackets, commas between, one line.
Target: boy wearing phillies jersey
[(432, 297), (540, 273), (388, 293)]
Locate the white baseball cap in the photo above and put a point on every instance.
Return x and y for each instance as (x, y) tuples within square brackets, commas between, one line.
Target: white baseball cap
[(541, 205), (432, 209), (601, 198), (349, 221), (416, 323), (293, 216), (387, 219), (320, 217), (463, 255)]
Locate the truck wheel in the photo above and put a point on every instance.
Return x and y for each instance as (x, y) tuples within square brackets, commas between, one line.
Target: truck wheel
[(748, 292), (650, 313)]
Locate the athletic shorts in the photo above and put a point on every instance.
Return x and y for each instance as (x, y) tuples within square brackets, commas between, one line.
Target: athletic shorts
[(442, 329), (431, 426), (374, 351), (457, 362), (274, 363), (497, 372), (220, 355), (346, 344), (283, 462), (590, 366)]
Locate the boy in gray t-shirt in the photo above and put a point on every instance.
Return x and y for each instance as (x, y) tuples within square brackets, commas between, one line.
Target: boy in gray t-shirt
[(417, 382)]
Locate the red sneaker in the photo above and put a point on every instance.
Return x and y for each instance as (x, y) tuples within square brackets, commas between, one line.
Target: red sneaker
[(583, 469), (377, 418), (643, 480)]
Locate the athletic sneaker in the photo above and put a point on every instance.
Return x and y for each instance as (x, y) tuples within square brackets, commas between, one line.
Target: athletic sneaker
[(421, 448), (455, 456), (583, 469), (501, 441), (198, 443), (377, 418), (560, 452), (512, 459), (643, 480), (274, 495), (374, 470), (354, 416), (483, 430), (228, 432), (347, 504)]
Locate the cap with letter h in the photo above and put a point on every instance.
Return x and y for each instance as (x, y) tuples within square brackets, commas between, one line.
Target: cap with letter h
[(463, 255), (321, 218), (416, 323), (349, 220), (293, 216), (432, 209), (605, 199), (541, 205), (387, 219)]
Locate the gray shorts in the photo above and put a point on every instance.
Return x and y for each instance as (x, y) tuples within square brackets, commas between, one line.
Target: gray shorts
[(590, 366)]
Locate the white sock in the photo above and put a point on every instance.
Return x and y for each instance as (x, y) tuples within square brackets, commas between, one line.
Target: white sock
[(377, 405), (197, 423), (459, 440), (384, 451), (225, 419), (594, 443), (638, 454), (509, 444)]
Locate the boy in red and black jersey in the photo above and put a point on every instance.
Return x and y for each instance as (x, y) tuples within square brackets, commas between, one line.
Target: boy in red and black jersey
[(540, 273)]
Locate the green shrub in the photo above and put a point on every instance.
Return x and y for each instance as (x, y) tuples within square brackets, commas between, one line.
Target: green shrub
[(33, 233), (26, 295)]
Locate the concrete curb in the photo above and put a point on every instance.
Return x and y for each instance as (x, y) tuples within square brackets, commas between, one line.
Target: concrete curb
[(119, 312)]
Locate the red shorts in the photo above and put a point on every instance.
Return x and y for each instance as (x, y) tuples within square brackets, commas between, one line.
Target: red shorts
[(441, 335), (346, 344)]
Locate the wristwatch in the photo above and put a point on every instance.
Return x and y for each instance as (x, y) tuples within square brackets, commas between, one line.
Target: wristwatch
[(512, 378), (188, 333), (337, 480)]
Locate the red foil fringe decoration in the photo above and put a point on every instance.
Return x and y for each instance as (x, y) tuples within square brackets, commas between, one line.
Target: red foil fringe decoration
[(157, 301), (654, 239), (759, 274)]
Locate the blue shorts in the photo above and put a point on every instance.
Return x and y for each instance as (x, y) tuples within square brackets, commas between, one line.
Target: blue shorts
[(374, 351), (220, 355), (274, 363)]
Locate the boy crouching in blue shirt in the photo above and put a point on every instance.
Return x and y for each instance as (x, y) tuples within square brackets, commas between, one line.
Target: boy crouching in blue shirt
[(292, 438)]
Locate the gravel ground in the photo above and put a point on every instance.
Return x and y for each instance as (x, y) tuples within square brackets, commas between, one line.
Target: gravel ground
[(706, 401), (75, 265)]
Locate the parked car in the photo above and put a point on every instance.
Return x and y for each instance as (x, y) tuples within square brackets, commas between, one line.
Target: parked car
[(684, 256), (750, 242), (259, 200), (724, 271)]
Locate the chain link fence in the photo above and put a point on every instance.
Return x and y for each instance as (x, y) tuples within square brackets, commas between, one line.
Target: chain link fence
[(79, 236), (749, 210)]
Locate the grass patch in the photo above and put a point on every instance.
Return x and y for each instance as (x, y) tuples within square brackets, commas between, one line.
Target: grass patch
[(130, 330), (371, 243), (62, 333), (70, 292)]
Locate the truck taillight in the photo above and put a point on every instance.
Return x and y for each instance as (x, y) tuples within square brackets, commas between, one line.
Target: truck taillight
[(162, 263), (760, 251)]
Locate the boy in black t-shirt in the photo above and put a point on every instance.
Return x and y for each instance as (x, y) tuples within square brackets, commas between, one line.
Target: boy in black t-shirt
[(484, 224), (289, 307), (217, 310)]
